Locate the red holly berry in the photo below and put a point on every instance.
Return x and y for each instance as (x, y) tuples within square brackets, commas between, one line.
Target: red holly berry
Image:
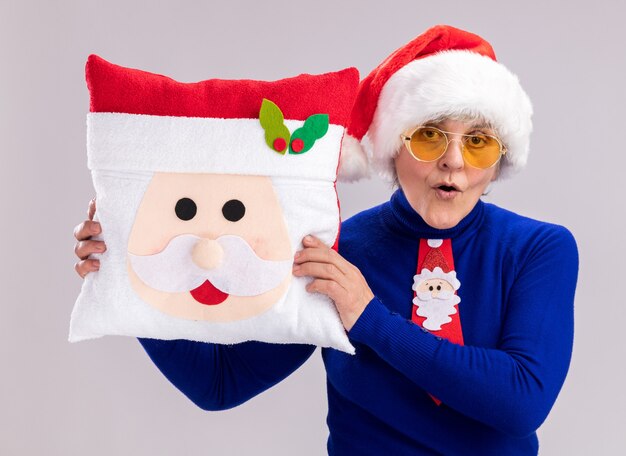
[(297, 145), (279, 144)]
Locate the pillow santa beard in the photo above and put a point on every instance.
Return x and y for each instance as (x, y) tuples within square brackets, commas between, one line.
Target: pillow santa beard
[(202, 214)]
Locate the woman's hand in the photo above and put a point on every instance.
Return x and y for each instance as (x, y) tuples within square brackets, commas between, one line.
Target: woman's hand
[(85, 246), (335, 277)]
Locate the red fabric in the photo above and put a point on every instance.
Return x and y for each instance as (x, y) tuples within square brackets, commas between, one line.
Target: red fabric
[(430, 258), (115, 88), (435, 258), (436, 39)]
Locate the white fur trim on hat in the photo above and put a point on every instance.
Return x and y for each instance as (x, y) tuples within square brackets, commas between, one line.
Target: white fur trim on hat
[(451, 83)]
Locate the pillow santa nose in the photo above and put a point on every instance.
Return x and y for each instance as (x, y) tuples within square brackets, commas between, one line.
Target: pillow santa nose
[(207, 253)]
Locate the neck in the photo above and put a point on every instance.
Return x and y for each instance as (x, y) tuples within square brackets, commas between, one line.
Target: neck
[(400, 214)]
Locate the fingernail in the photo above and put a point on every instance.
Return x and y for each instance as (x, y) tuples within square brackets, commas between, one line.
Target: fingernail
[(95, 228), (308, 239), (297, 254)]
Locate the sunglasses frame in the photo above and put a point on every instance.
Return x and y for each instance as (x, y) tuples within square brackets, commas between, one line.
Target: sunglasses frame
[(406, 139)]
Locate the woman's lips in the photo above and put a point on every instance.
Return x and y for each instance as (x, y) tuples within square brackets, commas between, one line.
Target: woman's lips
[(445, 195), (208, 294)]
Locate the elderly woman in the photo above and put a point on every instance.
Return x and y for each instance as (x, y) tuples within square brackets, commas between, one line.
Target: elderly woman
[(461, 312)]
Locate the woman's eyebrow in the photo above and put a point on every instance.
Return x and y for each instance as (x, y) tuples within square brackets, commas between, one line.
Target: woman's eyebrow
[(432, 123), (478, 125), (481, 126)]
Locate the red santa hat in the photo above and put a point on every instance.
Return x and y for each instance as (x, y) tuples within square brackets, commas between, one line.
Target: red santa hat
[(443, 72), (435, 265)]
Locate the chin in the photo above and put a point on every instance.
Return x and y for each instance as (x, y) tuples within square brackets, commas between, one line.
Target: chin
[(442, 221)]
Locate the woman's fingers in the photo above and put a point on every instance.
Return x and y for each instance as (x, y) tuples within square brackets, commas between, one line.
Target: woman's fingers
[(335, 277), (86, 266), (326, 271), (328, 287), (86, 229), (92, 209), (316, 251), (85, 245), (85, 248)]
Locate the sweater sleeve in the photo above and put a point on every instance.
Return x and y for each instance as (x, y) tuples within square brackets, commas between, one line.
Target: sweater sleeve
[(219, 377), (512, 387)]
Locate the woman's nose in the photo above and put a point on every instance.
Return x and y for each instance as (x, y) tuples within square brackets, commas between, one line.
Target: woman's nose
[(207, 253), (452, 159)]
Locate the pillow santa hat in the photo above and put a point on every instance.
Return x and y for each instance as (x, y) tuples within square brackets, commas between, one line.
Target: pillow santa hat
[(205, 191), (445, 72)]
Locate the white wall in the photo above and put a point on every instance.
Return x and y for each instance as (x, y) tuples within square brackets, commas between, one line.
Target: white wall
[(105, 396)]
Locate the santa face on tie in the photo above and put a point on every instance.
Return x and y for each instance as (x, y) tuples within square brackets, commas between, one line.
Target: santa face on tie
[(435, 297), (210, 247)]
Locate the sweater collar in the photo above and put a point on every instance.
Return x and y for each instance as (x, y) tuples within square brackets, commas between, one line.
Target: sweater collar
[(400, 216)]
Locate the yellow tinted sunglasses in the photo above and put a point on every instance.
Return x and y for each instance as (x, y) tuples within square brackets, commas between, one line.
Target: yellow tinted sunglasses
[(428, 144)]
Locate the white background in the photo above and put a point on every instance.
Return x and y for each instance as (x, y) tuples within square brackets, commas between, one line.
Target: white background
[(105, 397)]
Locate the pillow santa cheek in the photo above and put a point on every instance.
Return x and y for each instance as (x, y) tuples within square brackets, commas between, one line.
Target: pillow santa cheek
[(210, 247)]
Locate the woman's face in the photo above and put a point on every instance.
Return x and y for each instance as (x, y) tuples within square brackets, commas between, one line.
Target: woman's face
[(420, 181)]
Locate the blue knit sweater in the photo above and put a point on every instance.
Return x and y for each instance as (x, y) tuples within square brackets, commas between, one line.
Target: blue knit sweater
[(518, 278)]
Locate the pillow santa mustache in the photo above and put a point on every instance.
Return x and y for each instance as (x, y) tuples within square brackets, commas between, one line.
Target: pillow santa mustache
[(228, 263)]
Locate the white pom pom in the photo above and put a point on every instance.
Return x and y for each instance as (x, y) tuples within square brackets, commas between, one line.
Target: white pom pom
[(434, 243), (352, 161)]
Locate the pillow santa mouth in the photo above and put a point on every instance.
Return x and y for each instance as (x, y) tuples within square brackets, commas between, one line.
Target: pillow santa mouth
[(208, 294)]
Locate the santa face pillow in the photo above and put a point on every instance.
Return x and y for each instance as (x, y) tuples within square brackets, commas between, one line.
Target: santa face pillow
[(204, 194)]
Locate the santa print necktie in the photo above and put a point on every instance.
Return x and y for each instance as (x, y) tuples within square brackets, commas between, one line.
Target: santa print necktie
[(436, 276)]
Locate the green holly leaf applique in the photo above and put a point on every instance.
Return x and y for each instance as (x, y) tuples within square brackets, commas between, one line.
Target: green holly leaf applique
[(314, 128), (277, 134)]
